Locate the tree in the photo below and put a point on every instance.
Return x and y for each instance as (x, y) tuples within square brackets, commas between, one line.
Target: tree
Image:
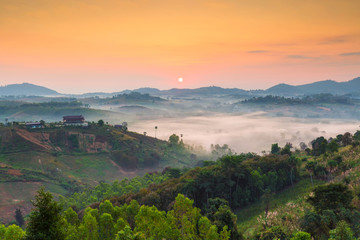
[(224, 217), (315, 224), (71, 217), (293, 162), (319, 146), (272, 233), (333, 146), (89, 227), (346, 139), (310, 167), (2, 230), (275, 148), (13, 232), (106, 226), (342, 232), (286, 150), (174, 139), (301, 236), (186, 216), (100, 122), (218, 151), (19, 217), (154, 224), (206, 231), (106, 207), (45, 221), (331, 197), (125, 234), (357, 135), (303, 146)]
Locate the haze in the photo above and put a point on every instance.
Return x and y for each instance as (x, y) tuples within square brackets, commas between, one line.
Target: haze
[(246, 133)]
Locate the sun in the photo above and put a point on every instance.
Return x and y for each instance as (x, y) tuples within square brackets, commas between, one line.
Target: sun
[(180, 80)]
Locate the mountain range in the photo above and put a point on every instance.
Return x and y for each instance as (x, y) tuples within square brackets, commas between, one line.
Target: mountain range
[(26, 89), (327, 86)]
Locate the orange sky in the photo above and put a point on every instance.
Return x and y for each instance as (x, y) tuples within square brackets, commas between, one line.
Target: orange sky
[(110, 45)]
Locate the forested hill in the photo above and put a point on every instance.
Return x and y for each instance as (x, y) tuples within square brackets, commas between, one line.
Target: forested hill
[(238, 182), (306, 100), (68, 159), (199, 203)]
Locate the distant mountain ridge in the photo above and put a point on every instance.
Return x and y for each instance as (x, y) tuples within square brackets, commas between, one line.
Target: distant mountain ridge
[(327, 86), (26, 89)]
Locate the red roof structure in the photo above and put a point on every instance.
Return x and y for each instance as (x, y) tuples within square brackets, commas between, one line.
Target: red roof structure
[(74, 119)]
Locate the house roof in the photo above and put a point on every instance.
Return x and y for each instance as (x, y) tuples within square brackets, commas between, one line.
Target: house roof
[(75, 117)]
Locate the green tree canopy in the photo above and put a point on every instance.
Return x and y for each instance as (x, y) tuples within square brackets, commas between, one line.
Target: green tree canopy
[(45, 221), (331, 197)]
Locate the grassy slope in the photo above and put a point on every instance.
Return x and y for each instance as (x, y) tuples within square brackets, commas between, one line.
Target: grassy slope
[(247, 217)]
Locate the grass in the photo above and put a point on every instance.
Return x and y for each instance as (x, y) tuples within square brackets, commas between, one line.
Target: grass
[(25, 191), (90, 168), (247, 217)]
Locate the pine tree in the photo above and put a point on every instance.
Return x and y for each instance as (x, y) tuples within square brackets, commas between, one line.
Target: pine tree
[(45, 222), (19, 217)]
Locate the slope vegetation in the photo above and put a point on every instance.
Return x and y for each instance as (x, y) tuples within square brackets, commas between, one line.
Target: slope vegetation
[(70, 159)]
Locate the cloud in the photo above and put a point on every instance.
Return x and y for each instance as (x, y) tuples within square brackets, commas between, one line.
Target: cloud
[(334, 40), (299, 57), (258, 51), (350, 54)]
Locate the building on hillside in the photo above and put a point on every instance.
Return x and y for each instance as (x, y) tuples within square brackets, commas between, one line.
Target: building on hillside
[(34, 125), (77, 120)]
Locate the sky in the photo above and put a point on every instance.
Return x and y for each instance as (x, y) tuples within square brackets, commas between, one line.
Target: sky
[(76, 46)]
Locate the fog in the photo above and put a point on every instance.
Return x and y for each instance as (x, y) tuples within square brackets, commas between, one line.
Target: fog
[(253, 132)]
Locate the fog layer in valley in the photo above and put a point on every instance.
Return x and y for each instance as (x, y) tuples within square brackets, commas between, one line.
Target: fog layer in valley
[(245, 133)]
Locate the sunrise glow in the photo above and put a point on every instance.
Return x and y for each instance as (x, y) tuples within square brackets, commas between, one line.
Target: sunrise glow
[(128, 44)]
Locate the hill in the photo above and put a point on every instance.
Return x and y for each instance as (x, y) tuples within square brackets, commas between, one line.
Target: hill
[(268, 192), (67, 159), (327, 86), (286, 194), (51, 111), (26, 89)]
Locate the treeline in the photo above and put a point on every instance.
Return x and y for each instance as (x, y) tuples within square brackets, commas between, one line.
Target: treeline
[(321, 145), (238, 179), (324, 98), (137, 96), (126, 222), (126, 97), (81, 200), (217, 188), (8, 105), (53, 104), (331, 161)]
